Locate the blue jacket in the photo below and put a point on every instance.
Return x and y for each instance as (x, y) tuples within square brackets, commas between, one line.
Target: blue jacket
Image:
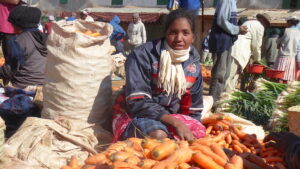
[(144, 99), (224, 30), (118, 32), (193, 5)]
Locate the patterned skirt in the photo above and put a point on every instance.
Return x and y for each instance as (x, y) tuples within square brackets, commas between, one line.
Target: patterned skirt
[(288, 64)]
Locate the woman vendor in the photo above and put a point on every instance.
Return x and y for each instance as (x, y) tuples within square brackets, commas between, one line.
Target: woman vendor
[(163, 92), (26, 60), (288, 50)]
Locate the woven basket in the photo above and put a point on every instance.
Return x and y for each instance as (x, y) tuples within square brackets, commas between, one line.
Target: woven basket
[(294, 122)]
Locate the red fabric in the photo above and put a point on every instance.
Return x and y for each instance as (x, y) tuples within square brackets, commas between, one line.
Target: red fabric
[(185, 103), (48, 27), (5, 26), (194, 125), (127, 17), (121, 121)]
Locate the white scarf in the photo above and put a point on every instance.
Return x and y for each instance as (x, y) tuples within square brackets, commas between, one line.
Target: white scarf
[(171, 76)]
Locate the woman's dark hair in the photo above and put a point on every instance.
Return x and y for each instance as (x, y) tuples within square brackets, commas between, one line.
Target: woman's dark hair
[(293, 22), (181, 13)]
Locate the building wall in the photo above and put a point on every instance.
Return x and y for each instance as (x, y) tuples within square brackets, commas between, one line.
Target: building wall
[(144, 3)]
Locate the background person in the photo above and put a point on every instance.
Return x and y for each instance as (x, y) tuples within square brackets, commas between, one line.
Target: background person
[(163, 92), (270, 48), (288, 144), (136, 31), (25, 65), (247, 48), (223, 34), (49, 24), (6, 28), (288, 49)]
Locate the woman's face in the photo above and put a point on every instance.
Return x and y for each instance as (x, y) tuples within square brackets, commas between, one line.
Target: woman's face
[(179, 34)]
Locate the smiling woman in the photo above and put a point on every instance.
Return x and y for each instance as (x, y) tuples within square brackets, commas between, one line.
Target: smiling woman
[(163, 92)]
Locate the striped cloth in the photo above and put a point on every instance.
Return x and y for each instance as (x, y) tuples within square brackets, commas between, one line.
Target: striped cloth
[(288, 64)]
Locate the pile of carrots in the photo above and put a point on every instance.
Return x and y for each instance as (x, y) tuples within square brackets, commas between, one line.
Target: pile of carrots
[(90, 33), (206, 73), (224, 147), (165, 154), (221, 130)]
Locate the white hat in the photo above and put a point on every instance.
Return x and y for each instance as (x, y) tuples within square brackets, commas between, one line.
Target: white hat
[(292, 18)]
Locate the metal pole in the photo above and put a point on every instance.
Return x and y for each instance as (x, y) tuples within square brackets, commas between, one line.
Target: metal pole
[(202, 20)]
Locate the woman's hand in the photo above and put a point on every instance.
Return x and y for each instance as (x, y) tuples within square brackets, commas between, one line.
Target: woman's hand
[(182, 130)]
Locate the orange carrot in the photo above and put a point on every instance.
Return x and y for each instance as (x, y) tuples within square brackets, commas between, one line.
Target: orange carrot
[(221, 136), (95, 34), (73, 162), (205, 162), (133, 160), (123, 165), (222, 143), (119, 156), (239, 133), (243, 147), (150, 143), (219, 151), (237, 148), (147, 153), (208, 130), (237, 161), (181, 155), (228, 139), (183, 144), (98, 158), (88, 32), (184, 166), (66, 167), (234, 136), (208, 152), (163, 150), (133, 152), (147, 163), (136, 143), (118, 146)]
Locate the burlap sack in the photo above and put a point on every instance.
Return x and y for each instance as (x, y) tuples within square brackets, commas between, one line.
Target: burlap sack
[(294, 119), (78, 83), (2, 136), (247, 126), (44, 143)]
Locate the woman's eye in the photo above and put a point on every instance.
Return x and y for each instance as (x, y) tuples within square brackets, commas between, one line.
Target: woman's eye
[(186, 33), (172, 33)]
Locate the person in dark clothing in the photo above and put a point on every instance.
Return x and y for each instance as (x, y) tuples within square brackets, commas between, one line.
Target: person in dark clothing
[(288, 144), (26, 61), (223, 34), (117, 36), (163, 92)]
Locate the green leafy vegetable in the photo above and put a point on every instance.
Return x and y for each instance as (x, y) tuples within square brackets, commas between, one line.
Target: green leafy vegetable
[(256, 106)]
